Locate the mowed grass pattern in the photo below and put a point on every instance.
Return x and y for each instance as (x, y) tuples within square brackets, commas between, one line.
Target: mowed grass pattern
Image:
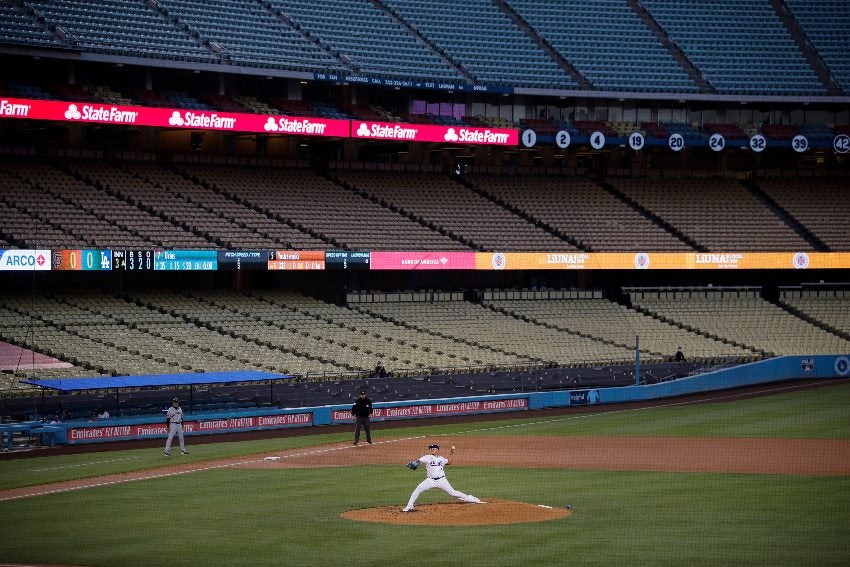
[(292, 516)]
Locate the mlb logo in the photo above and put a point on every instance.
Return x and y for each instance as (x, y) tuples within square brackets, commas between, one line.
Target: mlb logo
[(807, 364)]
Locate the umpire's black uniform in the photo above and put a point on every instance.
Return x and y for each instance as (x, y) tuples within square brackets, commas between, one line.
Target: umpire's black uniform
[(361, 410)]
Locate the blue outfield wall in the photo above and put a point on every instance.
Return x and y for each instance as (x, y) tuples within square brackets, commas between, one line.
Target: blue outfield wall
[(761, 372), (765, 371)]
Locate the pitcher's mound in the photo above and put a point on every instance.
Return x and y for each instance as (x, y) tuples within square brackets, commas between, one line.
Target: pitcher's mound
[(494, 512)]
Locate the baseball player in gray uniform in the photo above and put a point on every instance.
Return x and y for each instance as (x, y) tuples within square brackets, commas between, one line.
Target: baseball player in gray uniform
[(174, 421), (435, 477)]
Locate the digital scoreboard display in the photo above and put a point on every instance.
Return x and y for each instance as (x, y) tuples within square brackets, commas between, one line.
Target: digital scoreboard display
[(244, 259), (297, 260), (347, 260), (185, 260), (132, 260), (97, 260)]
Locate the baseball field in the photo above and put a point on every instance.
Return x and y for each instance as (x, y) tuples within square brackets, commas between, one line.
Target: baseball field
[(729, 481)]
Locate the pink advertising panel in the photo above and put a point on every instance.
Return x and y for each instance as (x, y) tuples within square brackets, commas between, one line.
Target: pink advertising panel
[(423, 261), (431, 133), (103, 113)]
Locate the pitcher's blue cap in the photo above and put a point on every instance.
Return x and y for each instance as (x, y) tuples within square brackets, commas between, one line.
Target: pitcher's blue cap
[(433, 446)]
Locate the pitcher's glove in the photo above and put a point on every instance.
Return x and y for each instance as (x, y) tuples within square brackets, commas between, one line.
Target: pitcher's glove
[(413, 465)]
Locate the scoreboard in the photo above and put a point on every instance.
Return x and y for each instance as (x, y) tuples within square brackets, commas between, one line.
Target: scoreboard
[(133, 260), (185, 260), (82, 260), (347, 260), (297, 260), (160, 260)]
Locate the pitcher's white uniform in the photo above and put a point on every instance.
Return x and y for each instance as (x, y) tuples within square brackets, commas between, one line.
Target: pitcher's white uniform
[(174, 416), (436, 478)]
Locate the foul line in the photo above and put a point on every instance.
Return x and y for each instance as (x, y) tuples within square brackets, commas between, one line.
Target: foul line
[(397, 440), (83, 465)]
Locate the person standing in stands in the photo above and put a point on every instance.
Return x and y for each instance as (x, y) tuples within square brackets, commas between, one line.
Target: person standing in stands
[(680, 356), (361, 410), (174, 422), (380, 371)]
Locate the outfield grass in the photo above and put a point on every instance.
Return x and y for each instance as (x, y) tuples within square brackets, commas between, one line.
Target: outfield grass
[(292, 516)]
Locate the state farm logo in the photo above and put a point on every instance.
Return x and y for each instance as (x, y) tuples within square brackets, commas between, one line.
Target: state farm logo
[(295, 126), (475, 136), (202, 120), (14, 109), (176, 119), (111, 114), (641, 260), (801, 261), (73, 113), (481, 136), (386, 131), (498, 261)]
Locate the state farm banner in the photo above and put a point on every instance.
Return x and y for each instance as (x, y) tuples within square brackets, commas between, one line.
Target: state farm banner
[(158, 429), (422, 261), (433, 133), (103, 113), (436, 409)]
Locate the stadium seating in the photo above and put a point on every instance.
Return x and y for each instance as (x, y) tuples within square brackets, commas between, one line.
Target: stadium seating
[(460, 319), (437, 201), (743, 317), (606, 320), (739, 46), (326, 214), (249, 34), (488, 44), (582, 210), (830, 307), (603, 39), (120, 27), (18, 27), (825, 215), (720, 215), (375, 43), (824, 22)]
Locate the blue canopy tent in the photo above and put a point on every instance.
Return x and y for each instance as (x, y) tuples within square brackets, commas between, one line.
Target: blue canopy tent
[(118, 383)]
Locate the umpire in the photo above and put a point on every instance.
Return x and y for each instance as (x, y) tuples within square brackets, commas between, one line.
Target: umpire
[(361, 410)]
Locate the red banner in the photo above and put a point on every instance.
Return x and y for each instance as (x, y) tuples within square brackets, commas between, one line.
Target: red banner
[(428, 410), (104, 113), (170, 117), (431, 133)]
